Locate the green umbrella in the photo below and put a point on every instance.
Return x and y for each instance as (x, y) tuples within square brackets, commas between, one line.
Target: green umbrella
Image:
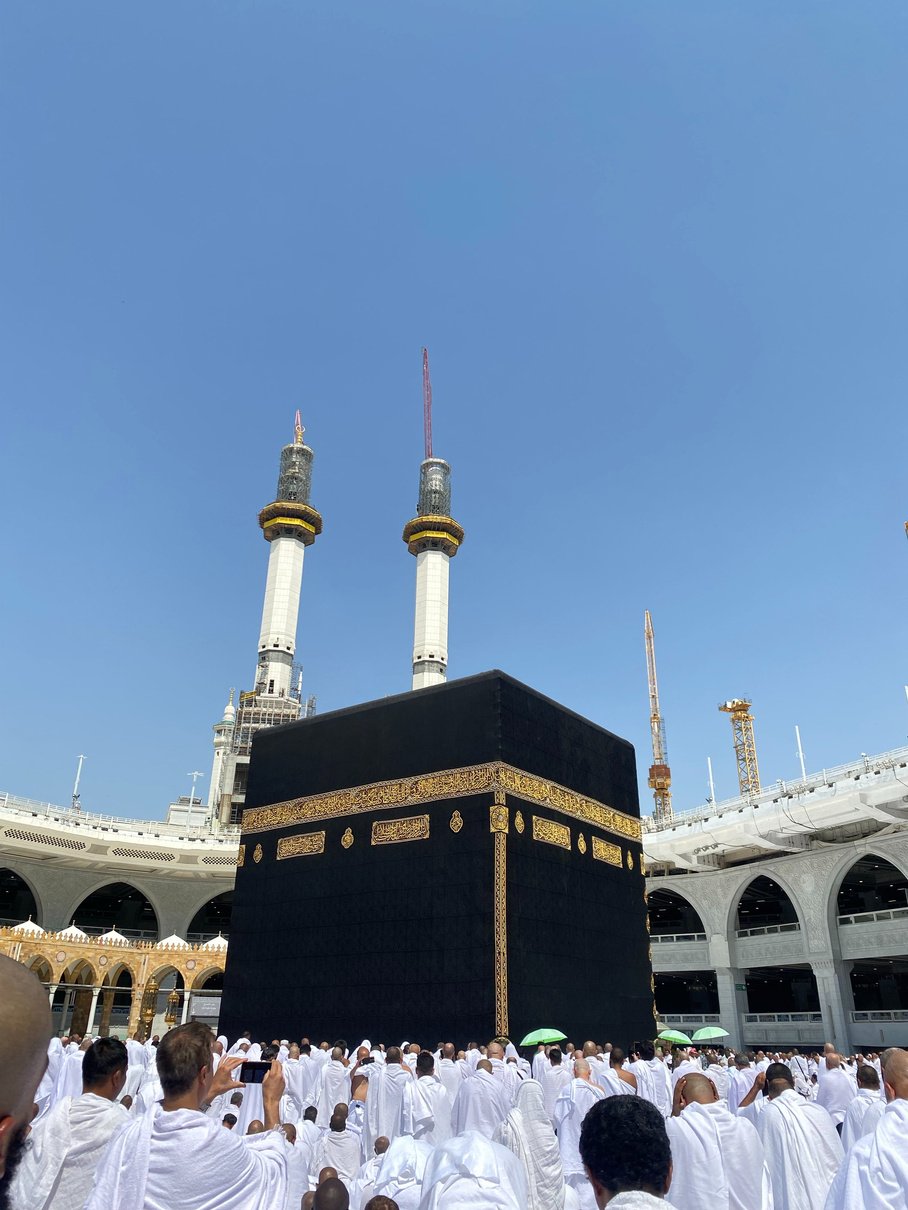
[(543, 1035), (708, 1032), (675, 1035)]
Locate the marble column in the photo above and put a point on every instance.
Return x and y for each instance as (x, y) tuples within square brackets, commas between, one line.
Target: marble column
[(95, 992), (828, 975)]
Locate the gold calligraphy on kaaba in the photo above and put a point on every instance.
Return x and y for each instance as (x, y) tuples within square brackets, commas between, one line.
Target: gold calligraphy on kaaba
[(241, 855), (393, 831), (303, 845), (551, 833), (495, 777), (603, 851)]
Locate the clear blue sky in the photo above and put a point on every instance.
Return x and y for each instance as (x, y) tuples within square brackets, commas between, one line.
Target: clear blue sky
[(658, 253)]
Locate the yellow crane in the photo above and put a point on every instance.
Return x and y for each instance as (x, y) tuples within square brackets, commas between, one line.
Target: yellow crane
[(742, 726), (660, 775)]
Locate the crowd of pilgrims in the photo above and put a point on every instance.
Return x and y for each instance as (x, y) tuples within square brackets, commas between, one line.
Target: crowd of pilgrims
[(170, 1123)]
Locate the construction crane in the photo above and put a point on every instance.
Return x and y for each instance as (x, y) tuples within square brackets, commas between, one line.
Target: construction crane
[(742, 726), (427, 402), (660, 775)]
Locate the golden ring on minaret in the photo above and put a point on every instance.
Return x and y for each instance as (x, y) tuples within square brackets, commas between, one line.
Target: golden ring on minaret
[(283, 516), (433, 533)]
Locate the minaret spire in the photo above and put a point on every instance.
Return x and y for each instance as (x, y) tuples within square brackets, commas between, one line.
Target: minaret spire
[(289, 524), (434, 537)]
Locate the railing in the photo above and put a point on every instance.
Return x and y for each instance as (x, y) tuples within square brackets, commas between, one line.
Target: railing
[(765, 930), (869, 765), (782, 1018), (892, 1014), (874, 917), (154, 829), (689, 1019), (663, 938)]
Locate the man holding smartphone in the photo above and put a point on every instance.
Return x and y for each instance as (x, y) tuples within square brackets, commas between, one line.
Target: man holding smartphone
[(176, 1152)]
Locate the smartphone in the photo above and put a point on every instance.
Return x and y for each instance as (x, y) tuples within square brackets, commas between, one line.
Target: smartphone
[(368, 1059), (253, 1071)]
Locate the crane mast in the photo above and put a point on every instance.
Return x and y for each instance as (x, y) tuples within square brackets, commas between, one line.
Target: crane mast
[(427, 402), (660, 775), (742, 727)]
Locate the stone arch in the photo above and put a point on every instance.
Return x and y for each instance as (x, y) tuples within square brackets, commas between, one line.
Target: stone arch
[(95, 907), (18, 896), (776, 888), (862, 864), (113, 972), (670, 912), (78, 970), (40, 966), (201, 979), (212, 916)]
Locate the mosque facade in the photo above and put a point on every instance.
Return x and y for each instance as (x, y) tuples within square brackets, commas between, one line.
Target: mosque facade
[(781, 917)]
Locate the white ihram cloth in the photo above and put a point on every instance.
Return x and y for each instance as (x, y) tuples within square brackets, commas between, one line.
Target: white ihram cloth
[(636, 1199), (338, 1149), (686, 1068), (333, 1089), (138, 1059), (386, 1090), (540, 1062), (449, 1074), (719, 1076), (69, 1076), (874, 1175), (482, 1104), (184, 1157), (44, 1095), (400, 1176), (612, 1084), (527, 1132), (802, 1151), (470, 1172), (572, 1106), (63, 1151), (654, 1083), (836, 1092), (717, 1160), (509, 1076), (555, 1077), (862, 1117), (295, 1073), (363, 1188), (740, 1082), (425, 1110), (801, 1071), (297, 1164)]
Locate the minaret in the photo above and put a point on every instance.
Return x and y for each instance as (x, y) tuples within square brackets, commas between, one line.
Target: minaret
[(290, 524), (434, 537), (223, 734)]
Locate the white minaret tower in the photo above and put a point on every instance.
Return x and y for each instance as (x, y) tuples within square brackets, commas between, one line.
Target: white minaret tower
[(434, 537), (223, 735), (290, 524)]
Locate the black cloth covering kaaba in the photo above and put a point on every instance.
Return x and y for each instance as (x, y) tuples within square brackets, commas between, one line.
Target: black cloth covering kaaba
[(455, 863)]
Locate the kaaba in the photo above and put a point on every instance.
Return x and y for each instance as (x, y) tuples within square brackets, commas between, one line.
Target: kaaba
[(456, 863)]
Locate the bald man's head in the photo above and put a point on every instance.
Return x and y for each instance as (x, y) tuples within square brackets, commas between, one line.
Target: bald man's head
[(697, 1090), (331, 1194), (589, 1049), (581, 1069), (382, 1144), (895, 1073), (23, 1056), (495, 1050), (326, 1174), (484, 1065)]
